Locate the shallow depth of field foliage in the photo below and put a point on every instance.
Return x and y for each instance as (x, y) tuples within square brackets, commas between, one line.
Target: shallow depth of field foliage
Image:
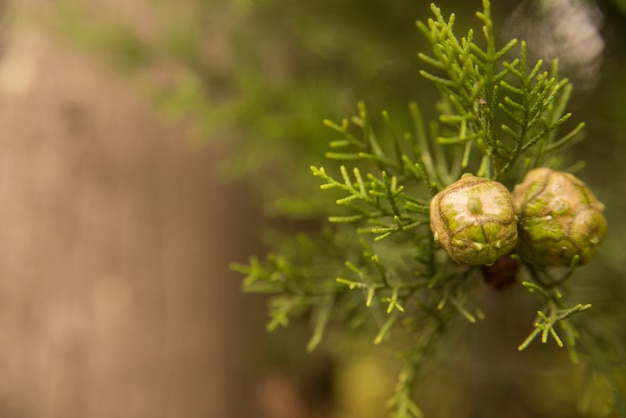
[(500, 115), (412, 333)]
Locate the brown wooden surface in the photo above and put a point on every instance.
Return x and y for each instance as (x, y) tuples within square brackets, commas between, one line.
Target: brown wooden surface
[(115, 238)]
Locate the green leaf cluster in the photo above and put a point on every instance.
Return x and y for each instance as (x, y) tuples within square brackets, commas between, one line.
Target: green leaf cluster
[(495, 101), (377, 267)]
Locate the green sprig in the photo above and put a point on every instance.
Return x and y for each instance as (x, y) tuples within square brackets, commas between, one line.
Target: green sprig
[(554, 312), (485, 85), (499, 117)]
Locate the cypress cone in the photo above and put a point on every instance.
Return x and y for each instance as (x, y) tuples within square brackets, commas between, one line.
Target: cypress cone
[(474, 221), (559, 219)]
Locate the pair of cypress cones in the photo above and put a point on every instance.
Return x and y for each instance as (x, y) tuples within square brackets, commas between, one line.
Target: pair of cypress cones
[(550, 219)]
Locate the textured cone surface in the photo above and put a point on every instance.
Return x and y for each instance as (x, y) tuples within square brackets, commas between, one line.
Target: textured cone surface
[(559, 218), (474, 221)]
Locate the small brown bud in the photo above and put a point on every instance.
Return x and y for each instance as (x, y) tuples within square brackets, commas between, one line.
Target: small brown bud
[(502, 274)]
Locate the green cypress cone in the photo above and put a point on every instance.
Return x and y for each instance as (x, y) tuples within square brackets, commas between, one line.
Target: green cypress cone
[(559, 218), (474, 221)]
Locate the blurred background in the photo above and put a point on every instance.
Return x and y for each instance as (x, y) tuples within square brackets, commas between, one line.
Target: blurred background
[(145, 145)]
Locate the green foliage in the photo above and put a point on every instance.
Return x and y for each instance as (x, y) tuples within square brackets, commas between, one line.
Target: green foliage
[(378, 266), (556, 313), (503, 107), (299, 288)]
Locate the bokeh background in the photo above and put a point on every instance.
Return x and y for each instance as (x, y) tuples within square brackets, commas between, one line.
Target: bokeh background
[(145, 145)]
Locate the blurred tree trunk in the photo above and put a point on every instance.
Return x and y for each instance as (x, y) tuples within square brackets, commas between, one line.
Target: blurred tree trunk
[(115, 238)]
